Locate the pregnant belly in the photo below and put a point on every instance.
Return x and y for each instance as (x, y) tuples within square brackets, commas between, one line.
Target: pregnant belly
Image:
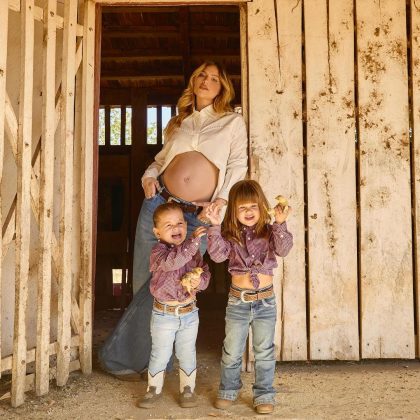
[(191, 176)]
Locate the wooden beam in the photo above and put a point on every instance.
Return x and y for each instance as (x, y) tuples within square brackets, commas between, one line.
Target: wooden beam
[(46, 200), (88, 142), (39, 15), (139, 58), (66, 191), (185, 42), (141, 78), (23, 209), (387, 312), (415, 89), (170, 2), (140, 34), (4, 20)]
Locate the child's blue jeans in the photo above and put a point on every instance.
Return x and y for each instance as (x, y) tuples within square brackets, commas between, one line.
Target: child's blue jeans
[(261, 316), (168, 328)]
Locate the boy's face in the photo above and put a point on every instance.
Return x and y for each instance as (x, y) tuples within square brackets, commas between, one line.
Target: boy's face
[(171, 227)]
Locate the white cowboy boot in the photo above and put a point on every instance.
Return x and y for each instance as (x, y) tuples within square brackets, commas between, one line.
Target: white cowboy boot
[(154, 390), (186, 389)]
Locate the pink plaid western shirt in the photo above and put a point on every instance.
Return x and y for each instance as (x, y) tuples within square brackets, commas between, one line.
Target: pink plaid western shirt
[(256, 256), (168, 263)]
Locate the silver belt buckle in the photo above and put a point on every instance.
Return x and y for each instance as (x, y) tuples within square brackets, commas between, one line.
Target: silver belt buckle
[(177, 310), (243, 293)]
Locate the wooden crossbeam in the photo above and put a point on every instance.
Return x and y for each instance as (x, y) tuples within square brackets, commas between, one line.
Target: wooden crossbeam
[(4, 14), (38, 14), (23, 209)]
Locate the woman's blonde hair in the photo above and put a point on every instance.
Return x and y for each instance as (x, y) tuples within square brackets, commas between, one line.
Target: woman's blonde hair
[(246, 191), (186, 103)]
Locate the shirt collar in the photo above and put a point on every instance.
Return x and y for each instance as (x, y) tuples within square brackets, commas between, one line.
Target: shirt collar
[(207, 111)]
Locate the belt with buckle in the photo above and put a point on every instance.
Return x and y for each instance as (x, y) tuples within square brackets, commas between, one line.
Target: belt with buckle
[(174, 309), (247, 295), (185, 206)]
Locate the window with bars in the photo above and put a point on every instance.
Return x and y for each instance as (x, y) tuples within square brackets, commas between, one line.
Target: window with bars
[(157, 118), (115, 126)]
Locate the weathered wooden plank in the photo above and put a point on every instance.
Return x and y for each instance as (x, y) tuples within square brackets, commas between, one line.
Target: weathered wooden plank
[(271, 149), (290, 169), (88, 85), (4, 20), (46, 200), (39, 15), (23, 209), (387, 322), (170, 2), (6, 362), (30, 379), (333, 300), (66, 191), (415, 74)]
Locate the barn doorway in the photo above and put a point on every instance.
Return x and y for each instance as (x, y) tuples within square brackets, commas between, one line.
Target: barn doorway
[(147, 56)]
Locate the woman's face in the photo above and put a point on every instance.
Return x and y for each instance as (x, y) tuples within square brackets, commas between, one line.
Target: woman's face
[(207, 84)]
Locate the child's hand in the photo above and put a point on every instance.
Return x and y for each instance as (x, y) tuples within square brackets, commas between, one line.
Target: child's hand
[(281, 213), (213, 214), (199, 232)]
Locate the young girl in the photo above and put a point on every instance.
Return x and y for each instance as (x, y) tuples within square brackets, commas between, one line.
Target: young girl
[(250, 243), (175, 315)]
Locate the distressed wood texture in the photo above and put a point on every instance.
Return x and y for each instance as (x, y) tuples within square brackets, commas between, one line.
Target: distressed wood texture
[(290, 170), (87, 145), (66, 191), (46, 201), (333, 305), (274, 143), (4, 20), (23, 207), (415, 66), (387, 322)]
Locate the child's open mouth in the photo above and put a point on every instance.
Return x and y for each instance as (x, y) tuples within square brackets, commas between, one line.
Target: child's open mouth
[(176, 236)]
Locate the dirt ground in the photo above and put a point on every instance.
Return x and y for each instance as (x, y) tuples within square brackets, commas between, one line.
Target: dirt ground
[(373, 389)]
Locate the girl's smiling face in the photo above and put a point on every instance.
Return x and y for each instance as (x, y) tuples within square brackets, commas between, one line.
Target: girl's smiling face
[(248, 213), (171, 227)]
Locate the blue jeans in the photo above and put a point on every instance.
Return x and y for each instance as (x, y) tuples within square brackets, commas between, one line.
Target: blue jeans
[(167, 329), (261, 316), (127, 349)]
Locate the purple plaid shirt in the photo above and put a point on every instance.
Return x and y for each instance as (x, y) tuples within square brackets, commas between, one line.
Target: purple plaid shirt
[(257, 256), (168, 263)]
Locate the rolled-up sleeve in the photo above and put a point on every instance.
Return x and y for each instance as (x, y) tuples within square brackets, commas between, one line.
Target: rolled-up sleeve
[(237, 163)]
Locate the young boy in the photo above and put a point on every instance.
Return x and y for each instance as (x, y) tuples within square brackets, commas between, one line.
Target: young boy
[(178, 273)]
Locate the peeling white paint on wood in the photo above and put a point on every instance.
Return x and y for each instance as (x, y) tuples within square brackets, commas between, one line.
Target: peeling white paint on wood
[(387, 323)]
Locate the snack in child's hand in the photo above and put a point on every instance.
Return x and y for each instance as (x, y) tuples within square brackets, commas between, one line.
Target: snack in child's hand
[(282, 201), (187, 278)]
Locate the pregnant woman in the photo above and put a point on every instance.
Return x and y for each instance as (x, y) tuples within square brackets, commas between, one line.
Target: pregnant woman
[(204, 154)]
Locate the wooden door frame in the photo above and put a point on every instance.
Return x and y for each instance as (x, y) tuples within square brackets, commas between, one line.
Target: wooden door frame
[(99, 4)]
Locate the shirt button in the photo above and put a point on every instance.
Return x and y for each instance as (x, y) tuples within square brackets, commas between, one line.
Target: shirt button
[(252, 256), (249, 238), (281, 236)]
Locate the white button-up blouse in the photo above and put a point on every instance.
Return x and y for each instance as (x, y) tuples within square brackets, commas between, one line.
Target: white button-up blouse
[(221, 138)]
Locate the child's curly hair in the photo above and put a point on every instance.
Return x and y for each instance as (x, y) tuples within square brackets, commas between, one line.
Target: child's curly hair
[(163, 208)]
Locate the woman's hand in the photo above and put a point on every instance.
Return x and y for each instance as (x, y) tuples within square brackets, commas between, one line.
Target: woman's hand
[(281, 213), (150, 186)]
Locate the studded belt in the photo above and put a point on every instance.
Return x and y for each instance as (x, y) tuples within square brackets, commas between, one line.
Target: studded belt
[(247, 295)]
